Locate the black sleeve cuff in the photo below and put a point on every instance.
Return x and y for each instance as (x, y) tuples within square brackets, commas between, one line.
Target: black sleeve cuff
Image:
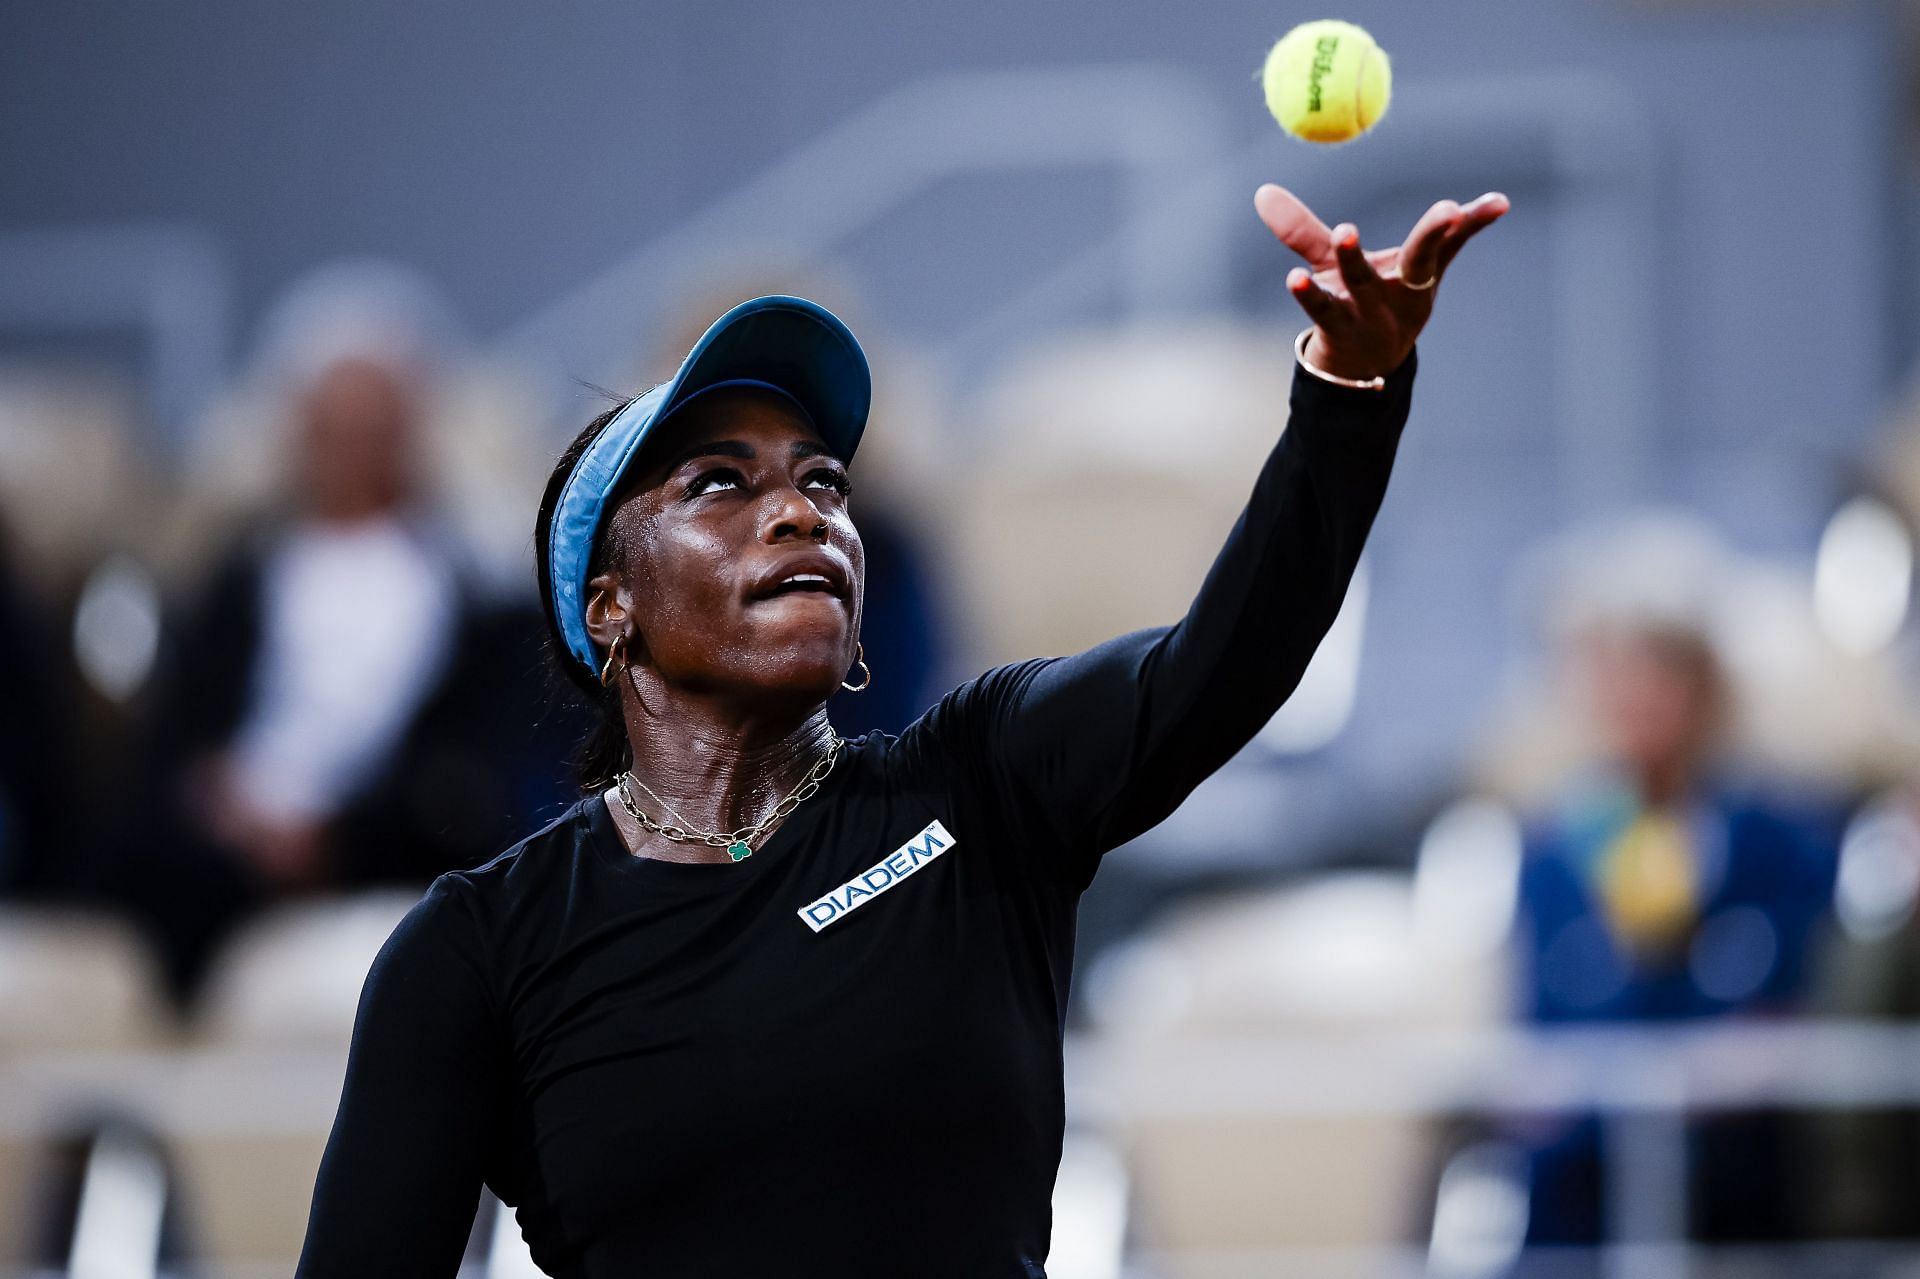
[(1352, 409)]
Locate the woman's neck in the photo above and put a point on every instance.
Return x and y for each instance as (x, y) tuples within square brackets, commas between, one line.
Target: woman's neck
[(716, 770)]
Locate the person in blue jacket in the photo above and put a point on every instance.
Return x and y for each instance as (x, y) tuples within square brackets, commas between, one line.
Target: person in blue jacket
[(1663, 886)]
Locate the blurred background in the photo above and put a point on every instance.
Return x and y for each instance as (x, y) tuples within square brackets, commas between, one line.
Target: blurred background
[(1562, 923)]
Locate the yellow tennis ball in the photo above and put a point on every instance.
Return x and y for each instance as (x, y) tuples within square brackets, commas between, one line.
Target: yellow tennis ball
[(1327, 81)]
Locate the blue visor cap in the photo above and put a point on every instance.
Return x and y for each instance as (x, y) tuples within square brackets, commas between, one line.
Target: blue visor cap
[(786, 344)]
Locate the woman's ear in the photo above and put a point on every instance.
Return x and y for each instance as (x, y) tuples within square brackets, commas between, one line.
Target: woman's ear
[(609, 612)]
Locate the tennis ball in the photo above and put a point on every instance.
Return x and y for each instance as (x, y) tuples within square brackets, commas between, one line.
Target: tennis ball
[(1327, 81)]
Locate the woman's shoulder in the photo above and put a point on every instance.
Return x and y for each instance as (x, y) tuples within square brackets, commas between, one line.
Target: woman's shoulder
[(463, 940), (969, 708), (534, 865)]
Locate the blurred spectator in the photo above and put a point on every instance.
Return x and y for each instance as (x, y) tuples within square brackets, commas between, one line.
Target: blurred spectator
[(35, 755), (1863, 1162), (342, 703), (1661, 884)]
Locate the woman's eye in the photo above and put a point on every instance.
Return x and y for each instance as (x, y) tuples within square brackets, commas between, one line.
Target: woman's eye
[(707, 481), (833, 480)]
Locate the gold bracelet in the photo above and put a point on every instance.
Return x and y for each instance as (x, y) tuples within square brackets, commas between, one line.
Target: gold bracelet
[(1300, 354)]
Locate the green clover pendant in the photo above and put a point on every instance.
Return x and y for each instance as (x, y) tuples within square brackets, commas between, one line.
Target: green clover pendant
[(739, 851)]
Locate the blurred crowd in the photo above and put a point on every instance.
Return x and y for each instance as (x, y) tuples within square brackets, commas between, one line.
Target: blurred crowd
[(308, 662), (315, 676), (290, 705)]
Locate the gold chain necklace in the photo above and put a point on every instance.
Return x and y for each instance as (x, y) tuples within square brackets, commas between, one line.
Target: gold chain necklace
[(738, 843)]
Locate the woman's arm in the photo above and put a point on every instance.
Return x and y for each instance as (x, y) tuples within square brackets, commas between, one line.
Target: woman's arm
[(402, 1173), (1073, 756), (1076, 755)]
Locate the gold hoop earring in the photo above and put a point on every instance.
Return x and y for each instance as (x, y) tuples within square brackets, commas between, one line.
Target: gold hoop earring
[(615, 653), (866, 673)]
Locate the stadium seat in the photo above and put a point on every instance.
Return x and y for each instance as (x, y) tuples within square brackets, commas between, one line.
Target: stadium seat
[(1241, 1145), (293, 976)]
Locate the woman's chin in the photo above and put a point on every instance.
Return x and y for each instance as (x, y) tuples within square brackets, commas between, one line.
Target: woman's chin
[(803, 622), (803, 660)]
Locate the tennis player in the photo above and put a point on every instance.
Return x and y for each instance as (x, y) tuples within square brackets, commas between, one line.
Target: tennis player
[(767, 1003)]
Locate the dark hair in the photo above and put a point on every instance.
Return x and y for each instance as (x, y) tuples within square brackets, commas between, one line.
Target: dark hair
[(605, 753)]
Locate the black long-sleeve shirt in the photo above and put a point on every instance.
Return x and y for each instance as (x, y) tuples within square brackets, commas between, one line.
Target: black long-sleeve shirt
[(841, 1056)]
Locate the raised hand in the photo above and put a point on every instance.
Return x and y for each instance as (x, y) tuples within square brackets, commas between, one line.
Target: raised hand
[(1368, 306)]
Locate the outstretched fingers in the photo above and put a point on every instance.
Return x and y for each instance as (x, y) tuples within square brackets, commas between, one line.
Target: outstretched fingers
[(1475, 217), (1319, 305), (1356, 272), (1365, 294), (1420, 254), (1294, 224)]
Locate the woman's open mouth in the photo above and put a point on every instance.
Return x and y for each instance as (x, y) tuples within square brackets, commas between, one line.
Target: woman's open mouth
[(809, 573)]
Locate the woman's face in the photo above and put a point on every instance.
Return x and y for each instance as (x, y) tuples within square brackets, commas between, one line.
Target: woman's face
[(732, 561)]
